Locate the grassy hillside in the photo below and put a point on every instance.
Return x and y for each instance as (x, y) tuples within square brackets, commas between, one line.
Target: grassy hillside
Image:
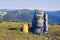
[(6, 34)]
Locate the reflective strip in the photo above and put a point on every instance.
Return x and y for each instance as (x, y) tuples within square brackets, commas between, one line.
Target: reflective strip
[(46, 22)]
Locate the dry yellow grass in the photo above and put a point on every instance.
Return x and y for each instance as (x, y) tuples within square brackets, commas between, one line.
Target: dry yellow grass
[(6, 34), (12, 24)]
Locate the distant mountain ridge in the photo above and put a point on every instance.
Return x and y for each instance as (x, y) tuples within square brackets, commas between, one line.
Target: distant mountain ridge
[(27, 15), (53, 16), (24, 14)]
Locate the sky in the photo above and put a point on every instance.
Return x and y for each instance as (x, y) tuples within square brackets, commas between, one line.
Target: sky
[(30, 4)]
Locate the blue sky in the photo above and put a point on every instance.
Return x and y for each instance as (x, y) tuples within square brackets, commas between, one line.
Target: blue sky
[(30, 4)]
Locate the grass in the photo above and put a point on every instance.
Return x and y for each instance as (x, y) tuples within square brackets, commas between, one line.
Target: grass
[(5, 34)]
